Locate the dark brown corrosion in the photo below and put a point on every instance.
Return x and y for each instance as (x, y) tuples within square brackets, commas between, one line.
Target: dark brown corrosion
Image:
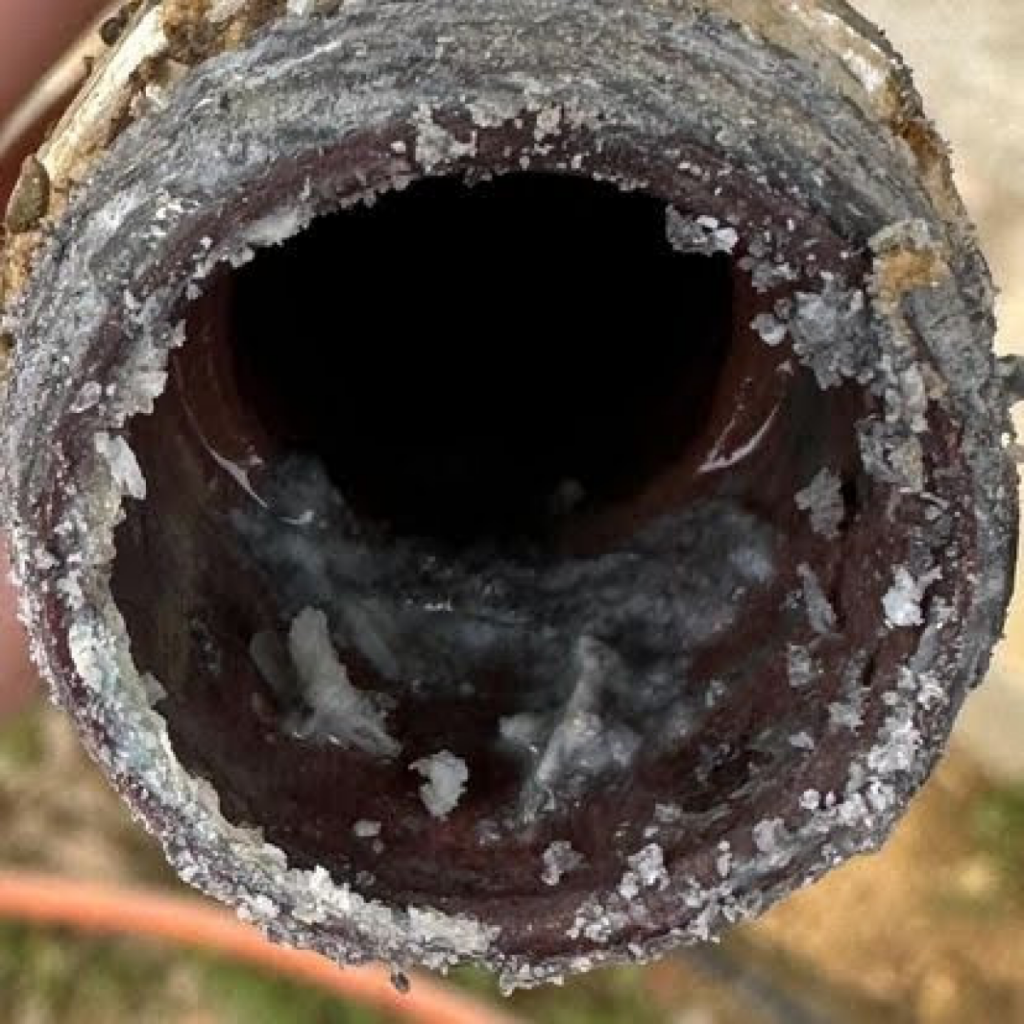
[(579, 535), (558, 342)]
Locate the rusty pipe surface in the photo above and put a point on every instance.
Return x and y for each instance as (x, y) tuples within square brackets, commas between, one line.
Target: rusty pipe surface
[(504, 482)]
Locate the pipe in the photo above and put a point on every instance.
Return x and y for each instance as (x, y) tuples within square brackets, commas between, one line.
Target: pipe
[(505, 483)]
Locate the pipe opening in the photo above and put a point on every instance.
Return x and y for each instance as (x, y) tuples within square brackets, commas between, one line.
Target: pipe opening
[(473, 517), (474, 362)]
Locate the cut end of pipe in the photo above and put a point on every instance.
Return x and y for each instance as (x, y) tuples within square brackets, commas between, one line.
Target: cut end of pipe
[(520, 523)]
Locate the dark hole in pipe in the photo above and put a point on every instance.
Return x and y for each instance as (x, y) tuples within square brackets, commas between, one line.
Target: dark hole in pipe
[(464, 358), (454, 356)]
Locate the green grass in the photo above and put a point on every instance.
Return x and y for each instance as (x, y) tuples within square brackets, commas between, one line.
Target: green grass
[(999, 832), (21, 742), (48, 975), (242, 996)]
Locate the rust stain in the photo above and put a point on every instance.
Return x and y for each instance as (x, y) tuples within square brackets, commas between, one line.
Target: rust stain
[(30, 200)]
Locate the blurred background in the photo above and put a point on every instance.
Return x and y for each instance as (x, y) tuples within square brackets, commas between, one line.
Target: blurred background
[(930, 931)]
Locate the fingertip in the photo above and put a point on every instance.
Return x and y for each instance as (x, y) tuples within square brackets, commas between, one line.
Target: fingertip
[(19, 680)]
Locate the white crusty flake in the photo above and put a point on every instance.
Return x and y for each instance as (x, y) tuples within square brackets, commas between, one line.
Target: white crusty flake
[(765, 834), (649, 867), (897, 750), (820, 613), (89, 395), (723, 862), (345, 715), (772, 330), (822, 499), (810, 800), (801, 667), (700, 236), (559, 859), (902, 602), (845, 716), (446, 777), (124, 467), (802, 741), (436, 145), (770, 838)]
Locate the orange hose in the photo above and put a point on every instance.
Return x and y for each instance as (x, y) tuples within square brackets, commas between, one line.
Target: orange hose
[(109, 910)]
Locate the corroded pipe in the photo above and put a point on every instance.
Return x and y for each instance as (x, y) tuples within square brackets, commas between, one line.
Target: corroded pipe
[(518, 483)]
